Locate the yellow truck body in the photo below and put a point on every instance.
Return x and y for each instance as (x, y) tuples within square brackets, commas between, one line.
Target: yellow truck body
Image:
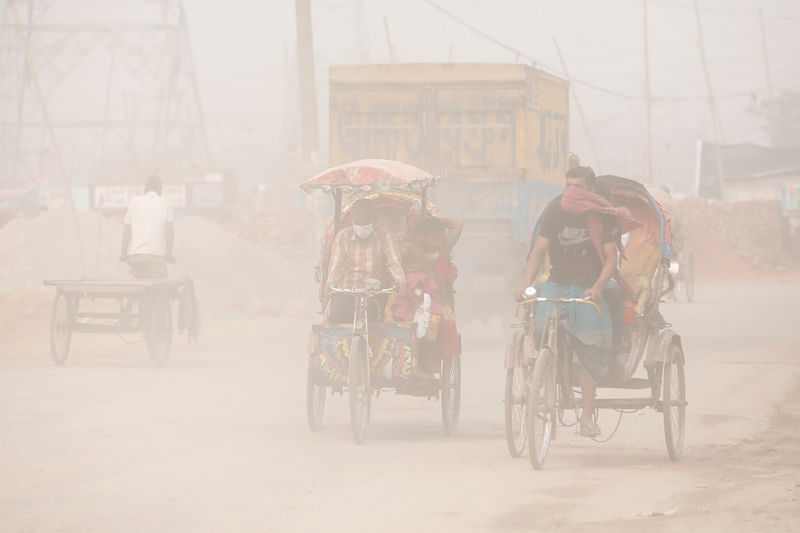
[(469, 120), (497, 133)]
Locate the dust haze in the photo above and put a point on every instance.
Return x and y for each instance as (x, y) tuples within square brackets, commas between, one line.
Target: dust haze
[(174, 405)]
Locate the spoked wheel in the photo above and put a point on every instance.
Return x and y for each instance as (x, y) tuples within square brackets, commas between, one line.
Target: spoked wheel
[(61, 322), (451, 393), (158, 328), (516, 411), (541, 413), (315, 398), (358, 387), (674, 401), (688, 277)]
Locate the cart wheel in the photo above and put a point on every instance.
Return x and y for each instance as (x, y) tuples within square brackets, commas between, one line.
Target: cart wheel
[(315, 398), (515, 401), (541, 408), (451, 394), (158, 328), (688, 278), (674, 391), (358, 387), (61, 328)]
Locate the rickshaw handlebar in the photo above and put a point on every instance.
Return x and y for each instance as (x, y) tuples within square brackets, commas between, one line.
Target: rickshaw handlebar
[(333, 288), (559, 300)]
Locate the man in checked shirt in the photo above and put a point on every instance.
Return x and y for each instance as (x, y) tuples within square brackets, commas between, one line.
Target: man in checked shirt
[(360, 252)]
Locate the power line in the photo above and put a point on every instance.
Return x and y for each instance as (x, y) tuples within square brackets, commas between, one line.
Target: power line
[(753, 14), (604, 90), (523, 55)]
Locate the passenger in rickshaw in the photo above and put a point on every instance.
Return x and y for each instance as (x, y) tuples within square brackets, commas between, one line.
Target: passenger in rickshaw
[(430, 297), (453, 227), (361, 252), (582, 235)]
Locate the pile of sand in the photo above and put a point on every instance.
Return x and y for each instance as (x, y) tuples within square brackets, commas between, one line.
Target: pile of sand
[(228, 271), (752, 229)]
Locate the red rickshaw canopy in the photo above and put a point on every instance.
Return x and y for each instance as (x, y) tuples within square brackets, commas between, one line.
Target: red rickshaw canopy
[(371, 174)]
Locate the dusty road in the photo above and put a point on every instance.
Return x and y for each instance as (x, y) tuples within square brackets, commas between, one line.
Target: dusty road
[(217, 441)]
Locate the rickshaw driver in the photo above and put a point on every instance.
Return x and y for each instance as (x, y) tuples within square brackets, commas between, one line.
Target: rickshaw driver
[(360, 252), (577, 271)]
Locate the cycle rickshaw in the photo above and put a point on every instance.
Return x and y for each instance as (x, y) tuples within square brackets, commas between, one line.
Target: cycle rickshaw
[(361, 357), (540, 381)]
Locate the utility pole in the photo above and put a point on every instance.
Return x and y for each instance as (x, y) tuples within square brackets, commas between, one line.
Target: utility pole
[(305, 70), (648, 173), (580, 109), (389, 45), (772, 125), (719, 136), (361, 31)]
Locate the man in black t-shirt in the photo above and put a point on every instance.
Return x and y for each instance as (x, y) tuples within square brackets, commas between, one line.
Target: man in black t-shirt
[(577, 270)]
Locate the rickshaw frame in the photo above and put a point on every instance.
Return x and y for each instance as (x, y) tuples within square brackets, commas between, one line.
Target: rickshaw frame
[(655, 342), (448, 385)]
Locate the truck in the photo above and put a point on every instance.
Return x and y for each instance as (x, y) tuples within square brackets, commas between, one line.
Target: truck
[(497, 133)]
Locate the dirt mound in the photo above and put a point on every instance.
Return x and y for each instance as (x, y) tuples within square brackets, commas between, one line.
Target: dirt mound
[(23, 309), (46, 247), (228, 271), (288, 232), (752, 230)]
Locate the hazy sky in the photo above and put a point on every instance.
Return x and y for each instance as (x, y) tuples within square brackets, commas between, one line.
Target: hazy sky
[(241, 48)]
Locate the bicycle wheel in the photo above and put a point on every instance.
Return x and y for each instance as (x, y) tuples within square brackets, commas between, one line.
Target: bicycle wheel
[(516, 408), (61, 328), (315, 398), (358, 387), (451, 394), (674, 401), (158, 328), (541, 407)]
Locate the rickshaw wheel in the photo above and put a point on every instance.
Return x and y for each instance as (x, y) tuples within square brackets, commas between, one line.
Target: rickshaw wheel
[(451, 393), (61, 328), (515, 401), (541, 410), (674, 391), (315, 399), (358, 387), (158, 328)]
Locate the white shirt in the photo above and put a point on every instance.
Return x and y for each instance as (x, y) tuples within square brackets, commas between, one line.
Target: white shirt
[(148, 216)]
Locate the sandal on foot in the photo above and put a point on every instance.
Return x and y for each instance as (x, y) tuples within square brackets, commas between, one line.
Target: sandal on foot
[(589, 429)]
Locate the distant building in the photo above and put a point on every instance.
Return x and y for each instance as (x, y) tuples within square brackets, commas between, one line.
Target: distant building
[(749, 172)]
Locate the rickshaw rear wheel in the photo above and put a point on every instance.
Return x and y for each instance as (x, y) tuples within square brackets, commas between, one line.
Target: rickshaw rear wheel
[(315, 398), (674, 382), (358, 388), (61, 328), (515, 400), (451, 393), (158, 328), (541, 410)]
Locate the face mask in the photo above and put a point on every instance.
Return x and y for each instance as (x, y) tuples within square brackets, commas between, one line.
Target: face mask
[(363, 232)]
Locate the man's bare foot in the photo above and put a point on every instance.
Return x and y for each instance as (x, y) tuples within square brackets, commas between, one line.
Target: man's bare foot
[(589, 428)]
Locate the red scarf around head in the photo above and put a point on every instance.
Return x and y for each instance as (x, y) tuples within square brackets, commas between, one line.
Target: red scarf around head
[(581, 201)]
